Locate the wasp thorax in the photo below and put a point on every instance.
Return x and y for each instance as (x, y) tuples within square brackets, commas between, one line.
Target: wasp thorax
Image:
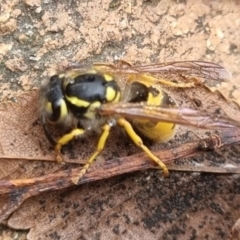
[(78, 95), (86, 92)]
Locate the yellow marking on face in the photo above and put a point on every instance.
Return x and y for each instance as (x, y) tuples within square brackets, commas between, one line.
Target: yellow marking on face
[(107, 77), (63, 111), (78, 102), (110, 94)]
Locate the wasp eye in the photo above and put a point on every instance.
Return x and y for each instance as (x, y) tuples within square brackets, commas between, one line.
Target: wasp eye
[(54, 78)]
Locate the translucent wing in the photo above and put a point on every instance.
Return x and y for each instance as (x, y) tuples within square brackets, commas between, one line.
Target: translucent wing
[(202, 69), (199, 72), (183, 116)]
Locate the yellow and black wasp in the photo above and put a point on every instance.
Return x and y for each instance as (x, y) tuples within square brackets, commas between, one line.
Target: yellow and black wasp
[(102, 96)]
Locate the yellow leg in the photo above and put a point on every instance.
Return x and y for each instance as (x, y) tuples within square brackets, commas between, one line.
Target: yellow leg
[(138, 141), (101, 143), (64, 140)]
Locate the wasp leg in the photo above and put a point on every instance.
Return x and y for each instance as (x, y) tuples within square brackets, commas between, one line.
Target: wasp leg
[(101, 144), (64, 140), (138, 141)]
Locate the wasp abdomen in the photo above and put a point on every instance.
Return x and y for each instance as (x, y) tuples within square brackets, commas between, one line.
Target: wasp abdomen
[(157, 131)]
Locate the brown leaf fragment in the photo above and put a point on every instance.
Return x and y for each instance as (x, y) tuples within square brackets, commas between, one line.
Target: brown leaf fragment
[(23, 140), (140, 205), (25, 188), (134, 208)]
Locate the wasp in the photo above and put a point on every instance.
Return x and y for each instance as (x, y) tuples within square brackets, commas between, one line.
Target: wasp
[(102, 96)]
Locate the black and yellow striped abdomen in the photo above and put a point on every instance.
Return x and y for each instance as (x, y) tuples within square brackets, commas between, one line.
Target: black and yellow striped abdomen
[(141, 91)]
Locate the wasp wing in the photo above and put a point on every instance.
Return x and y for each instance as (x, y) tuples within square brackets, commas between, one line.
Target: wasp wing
[(196, 72), (207, 70), (183, 116)]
